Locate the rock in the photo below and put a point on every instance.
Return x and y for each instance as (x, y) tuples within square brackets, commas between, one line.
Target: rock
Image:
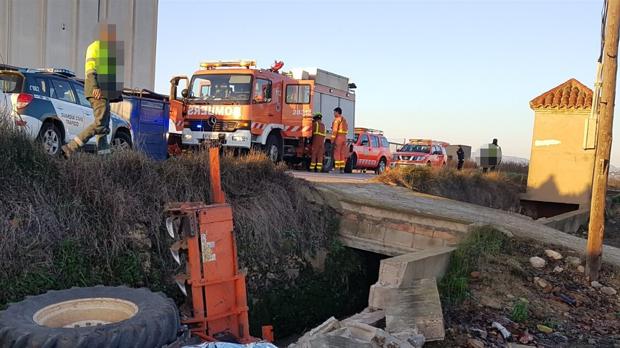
[(558, 269), (596, 284), (574, 261), (537, 262), (544, 329), (558, 338), (526, 337), (552, 254), (412, 337), (480, 333), (581, 269), (491, 303), (475, 275), (474, 343), (608, 291), (541, 282)]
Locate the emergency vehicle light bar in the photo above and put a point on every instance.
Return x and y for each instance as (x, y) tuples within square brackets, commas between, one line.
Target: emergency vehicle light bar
[(209, 65), (64, 72), (420, 141), (368, 130)]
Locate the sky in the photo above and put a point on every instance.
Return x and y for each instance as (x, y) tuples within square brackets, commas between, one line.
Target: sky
[(457, 71)]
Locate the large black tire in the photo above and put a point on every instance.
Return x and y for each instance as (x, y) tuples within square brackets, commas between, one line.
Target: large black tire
[(155, 323), (351, 163), (274, 147), (121, 141), (51, 139), (381, 167)]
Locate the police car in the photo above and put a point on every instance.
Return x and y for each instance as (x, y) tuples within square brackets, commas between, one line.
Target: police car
[(49, 104)]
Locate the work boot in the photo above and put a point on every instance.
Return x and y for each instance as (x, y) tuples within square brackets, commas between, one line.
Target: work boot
[(103, 148), (67, 150)]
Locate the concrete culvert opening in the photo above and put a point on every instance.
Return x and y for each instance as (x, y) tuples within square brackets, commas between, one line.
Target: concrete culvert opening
[(85, 312)]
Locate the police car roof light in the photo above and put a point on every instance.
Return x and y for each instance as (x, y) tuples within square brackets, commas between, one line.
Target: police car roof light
[(64, 72)]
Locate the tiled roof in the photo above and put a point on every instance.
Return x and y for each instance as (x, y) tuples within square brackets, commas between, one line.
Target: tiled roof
[(572, 94)]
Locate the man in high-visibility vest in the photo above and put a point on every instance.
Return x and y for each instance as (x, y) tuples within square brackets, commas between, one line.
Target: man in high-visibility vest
[(318, 143), (100, 87), (340, 128)]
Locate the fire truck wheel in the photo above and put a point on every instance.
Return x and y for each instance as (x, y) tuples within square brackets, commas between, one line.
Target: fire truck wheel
[(273, 148), (90, 317), (381, 167), (351, 163)]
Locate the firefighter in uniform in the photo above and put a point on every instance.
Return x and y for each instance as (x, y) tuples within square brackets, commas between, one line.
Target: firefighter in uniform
[(99, 89), (340, 128), (318, 143)]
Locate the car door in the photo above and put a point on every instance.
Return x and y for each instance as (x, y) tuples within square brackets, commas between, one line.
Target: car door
[(375, 151), (85, 108), (363, 151), (67, 109)]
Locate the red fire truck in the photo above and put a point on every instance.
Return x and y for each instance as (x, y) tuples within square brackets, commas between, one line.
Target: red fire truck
[(247, 107)]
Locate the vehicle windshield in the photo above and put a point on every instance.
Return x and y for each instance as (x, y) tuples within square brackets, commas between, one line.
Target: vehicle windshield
[(416, 148), (11, 83), (221, 88)]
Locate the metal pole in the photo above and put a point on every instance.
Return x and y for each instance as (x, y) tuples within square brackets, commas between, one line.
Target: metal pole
[(596, 228)]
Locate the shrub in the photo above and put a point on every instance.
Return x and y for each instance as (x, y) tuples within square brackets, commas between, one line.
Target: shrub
[(494, 190)]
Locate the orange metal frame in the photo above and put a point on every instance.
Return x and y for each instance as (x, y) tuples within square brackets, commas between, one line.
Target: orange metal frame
[(218, 290)]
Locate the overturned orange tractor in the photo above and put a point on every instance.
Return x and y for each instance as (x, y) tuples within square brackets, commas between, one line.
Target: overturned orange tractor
[(265, 109)]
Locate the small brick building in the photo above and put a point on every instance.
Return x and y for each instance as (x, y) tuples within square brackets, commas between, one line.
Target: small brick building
[(563, 147)]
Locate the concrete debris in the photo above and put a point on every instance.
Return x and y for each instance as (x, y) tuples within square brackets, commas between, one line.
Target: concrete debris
[(581, 269), (552, 254), (505, 333), (537, 262), (412, 336), (574, 261), (417, 306), (608, 290), (350, 333), (367, 316), (558, 269), (596, 284)]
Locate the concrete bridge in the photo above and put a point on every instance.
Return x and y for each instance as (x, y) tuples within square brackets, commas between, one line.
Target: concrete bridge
[(419, 231)]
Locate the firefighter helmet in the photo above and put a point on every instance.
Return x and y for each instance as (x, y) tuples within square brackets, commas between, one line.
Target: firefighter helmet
[(317, 116)]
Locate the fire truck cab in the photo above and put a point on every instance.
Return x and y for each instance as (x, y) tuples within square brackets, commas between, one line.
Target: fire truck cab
[(246, 107)]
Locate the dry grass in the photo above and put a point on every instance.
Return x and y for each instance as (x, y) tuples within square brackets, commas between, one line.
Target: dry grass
[(92, 220), (494, 189)]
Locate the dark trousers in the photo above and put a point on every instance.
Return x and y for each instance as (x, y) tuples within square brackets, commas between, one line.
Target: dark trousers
[(459, 165)]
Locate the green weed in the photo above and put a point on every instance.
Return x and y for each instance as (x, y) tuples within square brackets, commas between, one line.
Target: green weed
[(481, 243), (519, 312)]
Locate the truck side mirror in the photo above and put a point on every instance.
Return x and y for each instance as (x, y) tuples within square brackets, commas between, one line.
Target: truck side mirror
[(185, 93)]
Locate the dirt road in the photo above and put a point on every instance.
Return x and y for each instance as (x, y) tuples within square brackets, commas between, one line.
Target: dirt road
[(333, 177)]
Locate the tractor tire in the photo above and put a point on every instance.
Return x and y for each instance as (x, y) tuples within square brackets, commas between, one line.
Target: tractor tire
[(90, 317)]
